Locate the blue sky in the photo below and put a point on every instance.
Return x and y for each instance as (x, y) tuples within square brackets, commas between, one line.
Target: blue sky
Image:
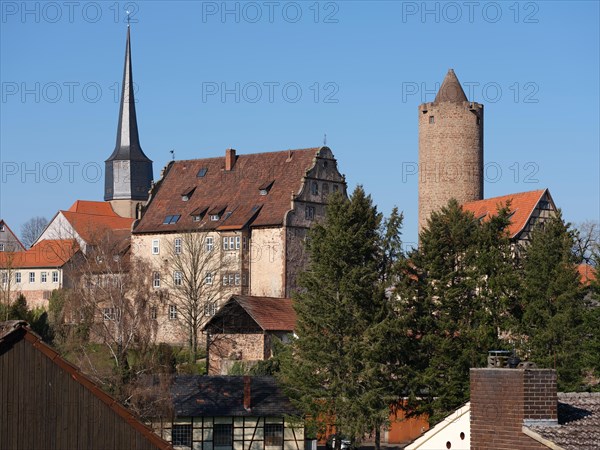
[(291, 72)]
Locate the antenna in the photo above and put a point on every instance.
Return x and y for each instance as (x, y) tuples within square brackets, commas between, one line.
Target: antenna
[(172, 155)]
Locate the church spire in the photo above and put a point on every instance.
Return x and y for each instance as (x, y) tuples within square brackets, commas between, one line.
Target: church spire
[(450, 90), (128, 170)]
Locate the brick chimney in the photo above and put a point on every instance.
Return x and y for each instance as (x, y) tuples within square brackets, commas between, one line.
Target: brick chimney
[(229, 159), (247, 393), (504, 400)]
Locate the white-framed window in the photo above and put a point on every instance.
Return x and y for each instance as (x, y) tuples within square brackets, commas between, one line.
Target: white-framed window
[(177, 246), (214, 217), (55, 276), (237, 279), (208, 279), (1, 227), (237, 242), (1, 247), (210, 309), (177, 278), (44, 277), (229, 243), (229, 279), (153, 313), (155, 246), (225, 243), (156, 279), (108, 314), (172, 312), (17, 277), (4, 278), (32, 277), (210, 244)]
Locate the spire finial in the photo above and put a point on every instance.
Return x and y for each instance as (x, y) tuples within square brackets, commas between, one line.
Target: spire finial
[(325, 140), (128, 17)]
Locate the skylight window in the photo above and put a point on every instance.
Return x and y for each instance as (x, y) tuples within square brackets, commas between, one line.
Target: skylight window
[(169, 220), (202, 172)]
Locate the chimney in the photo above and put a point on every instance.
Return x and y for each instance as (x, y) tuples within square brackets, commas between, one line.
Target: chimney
[(229, 159), (505, 400), (247, 393)]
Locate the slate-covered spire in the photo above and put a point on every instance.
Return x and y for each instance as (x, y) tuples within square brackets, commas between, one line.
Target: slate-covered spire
[(128, 169), (450, 90)]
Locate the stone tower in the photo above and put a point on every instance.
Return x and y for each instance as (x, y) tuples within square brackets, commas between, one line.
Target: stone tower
[(450, 149), (128, 171)]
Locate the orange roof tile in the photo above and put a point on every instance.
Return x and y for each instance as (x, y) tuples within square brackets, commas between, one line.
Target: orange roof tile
[(236, 191), (93, 207), (46, 253), (522, 205), (92, 226), (587, 273)]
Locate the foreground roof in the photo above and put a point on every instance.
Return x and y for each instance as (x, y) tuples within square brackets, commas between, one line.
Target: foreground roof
[(73, 398), (578, 422), (46, 253), (587, 273), (269, 313), (522, 204), (197, 396), (202, 187)]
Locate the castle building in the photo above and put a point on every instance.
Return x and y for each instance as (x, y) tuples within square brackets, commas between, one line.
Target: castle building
[(128, 171), (450, 149)]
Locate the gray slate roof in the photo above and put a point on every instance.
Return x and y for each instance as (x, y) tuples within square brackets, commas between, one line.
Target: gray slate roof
[(205, 396), (578, 422)]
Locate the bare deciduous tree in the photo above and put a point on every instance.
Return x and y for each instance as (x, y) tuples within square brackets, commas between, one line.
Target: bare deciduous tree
[(32, 229), (196, 267), (111, 295), (7, 281), (587, 240)]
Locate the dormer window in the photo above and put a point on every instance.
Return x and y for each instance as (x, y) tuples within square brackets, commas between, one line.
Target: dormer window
[(198, 213), (216, 213), (169, 220), (215, 217), (266, 187), (202, 172), (187, 194)]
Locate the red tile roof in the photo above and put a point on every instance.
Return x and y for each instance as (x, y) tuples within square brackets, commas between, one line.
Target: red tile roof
[(270, 313), (236, 191), (522, 204), (92, 219), (587, 273), (46, 253)]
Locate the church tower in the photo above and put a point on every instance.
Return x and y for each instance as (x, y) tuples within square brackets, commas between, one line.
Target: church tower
[(450, 149), (128, 171)]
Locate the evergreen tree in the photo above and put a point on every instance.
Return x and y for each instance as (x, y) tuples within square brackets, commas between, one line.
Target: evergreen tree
[(552, 302), (453, 292), (338, 369)]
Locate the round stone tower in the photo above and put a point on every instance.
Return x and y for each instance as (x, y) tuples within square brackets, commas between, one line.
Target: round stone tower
[(450, 149)]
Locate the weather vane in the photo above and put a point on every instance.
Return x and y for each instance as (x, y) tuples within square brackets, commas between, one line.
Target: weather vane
[(128, 16), (172, 154), (325, 139)]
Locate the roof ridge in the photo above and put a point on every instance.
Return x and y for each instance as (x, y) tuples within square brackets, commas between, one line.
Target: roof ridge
[(506, 195), (250, 154)]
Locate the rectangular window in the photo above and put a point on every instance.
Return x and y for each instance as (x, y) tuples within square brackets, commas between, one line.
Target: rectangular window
[(237, 279), (18, 277), (177, 245), (153, 312), (210, 244), (431, 119), (335, 188), (55, 276), (325, 189), (44, 277), (32, 277), (225, 243), (1, 247), (274, 434), (177, 278), (245, 243), (214, 217), (172, 312), (108, 314), (309, 213), (182, 435), (209, 278), (156, 279), (155, 246), (225, 279), (210, 309), (237, 242), (4, 278), (315, 188), (223, 435)]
